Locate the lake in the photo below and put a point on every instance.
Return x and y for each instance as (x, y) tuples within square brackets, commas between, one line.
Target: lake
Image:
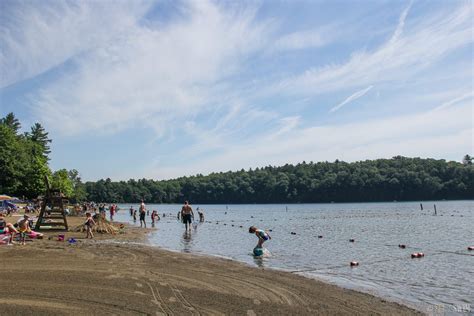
[(441, 282)]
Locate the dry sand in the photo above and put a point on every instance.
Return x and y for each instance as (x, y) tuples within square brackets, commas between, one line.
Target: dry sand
[(113, 276)]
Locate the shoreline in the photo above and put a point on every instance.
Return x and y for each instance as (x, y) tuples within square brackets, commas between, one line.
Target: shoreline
[(117, 275), (411, 305)]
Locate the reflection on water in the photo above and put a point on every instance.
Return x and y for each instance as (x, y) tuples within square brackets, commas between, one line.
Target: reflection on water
[(315, 239), (186, 241)]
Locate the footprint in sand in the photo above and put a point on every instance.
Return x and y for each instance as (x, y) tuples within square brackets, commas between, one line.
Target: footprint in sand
[(256, 302), (251, 313), (139, 284), (172, 299)]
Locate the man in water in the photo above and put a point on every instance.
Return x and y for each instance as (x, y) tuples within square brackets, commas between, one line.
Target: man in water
[(142, 214), (187, 215)]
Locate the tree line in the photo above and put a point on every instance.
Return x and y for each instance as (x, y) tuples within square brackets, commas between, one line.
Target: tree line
[(24, 162), (399, 178)]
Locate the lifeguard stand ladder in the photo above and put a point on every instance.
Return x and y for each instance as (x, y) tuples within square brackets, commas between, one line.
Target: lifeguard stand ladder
[(55, 218)]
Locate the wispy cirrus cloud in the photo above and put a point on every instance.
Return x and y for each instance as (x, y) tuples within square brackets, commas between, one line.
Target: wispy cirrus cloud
[(402, 56), (35, 39), (300, 40), (351, 98), (145, 76)]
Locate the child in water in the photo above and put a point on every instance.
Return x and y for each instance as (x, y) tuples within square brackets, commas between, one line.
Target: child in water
[(262, 237)]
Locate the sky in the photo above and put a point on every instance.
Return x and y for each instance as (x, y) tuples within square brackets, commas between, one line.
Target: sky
[(163, 89)]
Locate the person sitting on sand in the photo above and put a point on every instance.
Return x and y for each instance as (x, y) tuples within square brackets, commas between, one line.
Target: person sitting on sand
[(261, 234), (7, 229), (24, 228), (88, 224), (187, 215)]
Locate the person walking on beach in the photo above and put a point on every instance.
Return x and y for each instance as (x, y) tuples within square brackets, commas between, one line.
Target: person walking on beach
[(142, 214), (187, 215), (88, 224)]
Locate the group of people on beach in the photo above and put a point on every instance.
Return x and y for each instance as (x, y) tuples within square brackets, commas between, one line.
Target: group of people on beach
[(186, 215), (9, 230)]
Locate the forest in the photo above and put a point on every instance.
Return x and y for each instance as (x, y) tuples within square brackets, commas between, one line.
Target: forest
[(24, 161)]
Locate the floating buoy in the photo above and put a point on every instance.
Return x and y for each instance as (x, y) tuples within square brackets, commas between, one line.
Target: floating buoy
[(320, 236), (417, 255), (225, 224), (470, 248), (354, 263), (351, 240), (293, 233), (241, 226), (270, 230), (232, 225), (402, 246)]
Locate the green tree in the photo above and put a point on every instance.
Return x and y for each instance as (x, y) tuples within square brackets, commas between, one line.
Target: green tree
[(61, 181), (39, 135), (467, 160), (11, 122)]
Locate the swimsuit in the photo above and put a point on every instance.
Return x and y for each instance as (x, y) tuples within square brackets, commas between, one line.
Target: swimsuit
[(187, 218), (262, 235)]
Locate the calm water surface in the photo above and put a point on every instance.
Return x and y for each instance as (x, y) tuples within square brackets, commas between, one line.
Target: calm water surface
[(441, 282)]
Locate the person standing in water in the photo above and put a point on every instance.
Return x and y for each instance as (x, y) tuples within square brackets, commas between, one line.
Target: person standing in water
[(262, 237), (142, 214), (187, 215)]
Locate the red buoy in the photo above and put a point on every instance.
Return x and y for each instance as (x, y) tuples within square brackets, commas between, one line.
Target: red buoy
[(417, 255), (470, 248), (354, 263)]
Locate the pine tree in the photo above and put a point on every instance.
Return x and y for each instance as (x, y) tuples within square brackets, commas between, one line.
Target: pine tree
[(11, 122), (40, 136)]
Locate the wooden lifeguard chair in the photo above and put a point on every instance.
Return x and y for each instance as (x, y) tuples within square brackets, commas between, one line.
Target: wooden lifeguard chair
[(55, 218)]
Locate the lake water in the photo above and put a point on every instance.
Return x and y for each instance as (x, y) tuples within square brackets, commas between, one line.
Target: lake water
[(440, 283)]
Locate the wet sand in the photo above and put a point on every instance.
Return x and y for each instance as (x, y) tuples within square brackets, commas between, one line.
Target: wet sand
[(116, 276)]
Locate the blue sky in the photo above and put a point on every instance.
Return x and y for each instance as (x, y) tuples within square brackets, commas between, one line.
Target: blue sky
[(161, 89)]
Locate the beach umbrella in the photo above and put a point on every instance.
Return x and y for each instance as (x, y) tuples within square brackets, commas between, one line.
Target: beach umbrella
[(4, 197)]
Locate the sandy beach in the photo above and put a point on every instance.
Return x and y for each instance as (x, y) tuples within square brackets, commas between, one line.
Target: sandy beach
[(117, 275)]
